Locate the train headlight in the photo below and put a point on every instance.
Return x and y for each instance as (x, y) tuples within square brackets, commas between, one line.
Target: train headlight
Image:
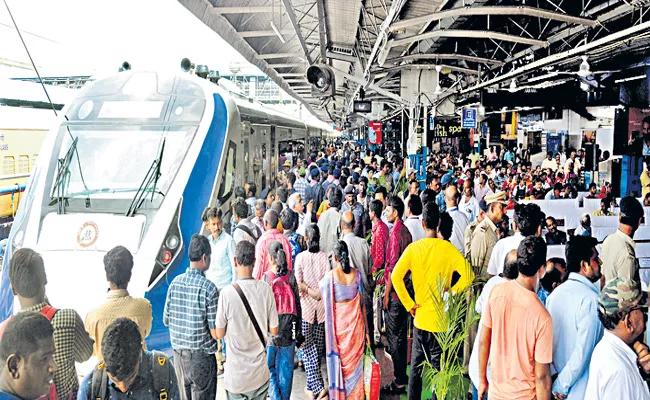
[(165, 257), (172, 242)]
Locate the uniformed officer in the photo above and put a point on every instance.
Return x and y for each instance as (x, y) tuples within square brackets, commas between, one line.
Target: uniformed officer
[(471, 228), (485, 234)]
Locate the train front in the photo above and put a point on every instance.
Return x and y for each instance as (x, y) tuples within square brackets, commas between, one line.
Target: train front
[(126, 167)]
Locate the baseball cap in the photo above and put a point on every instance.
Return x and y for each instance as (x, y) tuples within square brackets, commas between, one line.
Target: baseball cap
[(482, 205), (302, 172), (315, 172), (287, 163), (621, 295), (337, 173), (445, 179)]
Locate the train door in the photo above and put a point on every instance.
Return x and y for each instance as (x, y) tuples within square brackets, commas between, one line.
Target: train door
[(273, 157)]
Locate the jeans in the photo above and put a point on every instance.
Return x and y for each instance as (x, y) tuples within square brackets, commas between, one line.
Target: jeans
[(396, 331), (280, 360), (197, 374), (425, 347), (474, 392)]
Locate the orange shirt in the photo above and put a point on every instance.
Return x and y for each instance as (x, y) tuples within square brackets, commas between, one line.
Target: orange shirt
[(522, 334)]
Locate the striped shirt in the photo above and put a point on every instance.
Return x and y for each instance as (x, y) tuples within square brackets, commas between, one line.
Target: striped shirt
[(191, 311), (73, 344), (310, 269)]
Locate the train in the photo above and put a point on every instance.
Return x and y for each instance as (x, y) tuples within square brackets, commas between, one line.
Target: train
[(133, 161), (25, 119)]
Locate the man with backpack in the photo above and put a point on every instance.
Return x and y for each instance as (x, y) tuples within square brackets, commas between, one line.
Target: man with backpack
[(128, 371), (245, 229), (73, 344), (246, 312)]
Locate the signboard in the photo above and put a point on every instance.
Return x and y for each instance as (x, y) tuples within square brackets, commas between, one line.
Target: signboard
[(375, 132), (469, 118), (446, 128)]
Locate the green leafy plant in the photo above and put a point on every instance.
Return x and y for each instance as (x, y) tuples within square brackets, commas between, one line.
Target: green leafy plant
[(455, 311), (380, 289)]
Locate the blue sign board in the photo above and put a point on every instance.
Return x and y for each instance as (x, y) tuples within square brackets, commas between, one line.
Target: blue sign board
[(469, 118)]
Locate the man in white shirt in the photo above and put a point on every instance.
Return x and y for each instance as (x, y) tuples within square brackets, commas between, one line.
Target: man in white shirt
[(468, 203), (413, 213), (527, 221), (614, 368), (509, 273), (304, 213), (460, 220), (549, 162)]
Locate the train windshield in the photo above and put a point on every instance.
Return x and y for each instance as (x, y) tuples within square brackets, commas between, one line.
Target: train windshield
[(112, 162)]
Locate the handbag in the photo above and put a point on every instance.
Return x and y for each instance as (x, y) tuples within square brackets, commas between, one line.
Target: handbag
[(249, 311), (371, 375)]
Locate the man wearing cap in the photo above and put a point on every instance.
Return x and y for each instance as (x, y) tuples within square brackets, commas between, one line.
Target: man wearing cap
[(440, 197), (614, 368), (619, 248), (312, 191), (300, 186), (485, 235), (482, 189), (360, 216)]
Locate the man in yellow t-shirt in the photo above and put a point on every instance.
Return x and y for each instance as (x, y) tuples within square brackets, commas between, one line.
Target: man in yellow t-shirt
[(431, 261)]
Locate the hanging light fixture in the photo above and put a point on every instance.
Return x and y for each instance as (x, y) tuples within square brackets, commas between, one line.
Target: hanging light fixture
[(513, 85), (584, 68), (438, 90)]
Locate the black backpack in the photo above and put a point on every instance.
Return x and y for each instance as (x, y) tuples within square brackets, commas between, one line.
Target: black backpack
[(160, 380)]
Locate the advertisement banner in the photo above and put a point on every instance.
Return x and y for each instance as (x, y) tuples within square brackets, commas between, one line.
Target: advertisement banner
[(375, 132)]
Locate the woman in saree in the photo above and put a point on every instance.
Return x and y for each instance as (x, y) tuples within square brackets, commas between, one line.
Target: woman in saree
[(345, 327)]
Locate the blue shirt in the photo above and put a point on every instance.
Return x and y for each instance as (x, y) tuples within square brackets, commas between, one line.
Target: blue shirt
[(143, 386), (222, 261), (440, 201), (7, 396), (191, 311), (576, 330), (295, 246)]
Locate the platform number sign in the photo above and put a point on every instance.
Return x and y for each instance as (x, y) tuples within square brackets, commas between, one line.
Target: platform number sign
[(469, 118)]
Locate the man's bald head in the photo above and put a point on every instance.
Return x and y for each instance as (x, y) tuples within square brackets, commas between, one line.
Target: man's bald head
[(347, 221), (510, 270), (271, 220), (451, 196)]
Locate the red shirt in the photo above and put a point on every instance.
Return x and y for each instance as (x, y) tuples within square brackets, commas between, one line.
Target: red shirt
[(398, 241), (378, 245)]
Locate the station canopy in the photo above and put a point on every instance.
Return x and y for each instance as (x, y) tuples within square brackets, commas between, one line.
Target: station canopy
[(476, 44)]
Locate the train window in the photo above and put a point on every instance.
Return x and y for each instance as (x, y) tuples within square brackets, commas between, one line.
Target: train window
[(9, 165), (228, 181), (246, 160), (23, 163)]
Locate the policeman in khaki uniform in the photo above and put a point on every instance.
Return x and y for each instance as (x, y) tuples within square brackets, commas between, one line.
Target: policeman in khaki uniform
[(471, 228), (485, 234)]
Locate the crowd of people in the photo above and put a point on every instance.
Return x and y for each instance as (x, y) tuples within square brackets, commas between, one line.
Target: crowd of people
[(351, 253)]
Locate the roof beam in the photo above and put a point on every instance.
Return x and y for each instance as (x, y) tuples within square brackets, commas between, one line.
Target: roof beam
[(429, 66), (256, 34), (271, 56), (460, 33), (287, 65), (291, 74), (436, 56), (493, 10), (242, 10), (561, 56), (322, 34), (296, 27)]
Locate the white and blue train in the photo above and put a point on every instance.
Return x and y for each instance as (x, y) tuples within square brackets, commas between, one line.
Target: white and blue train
[(134, 162)]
